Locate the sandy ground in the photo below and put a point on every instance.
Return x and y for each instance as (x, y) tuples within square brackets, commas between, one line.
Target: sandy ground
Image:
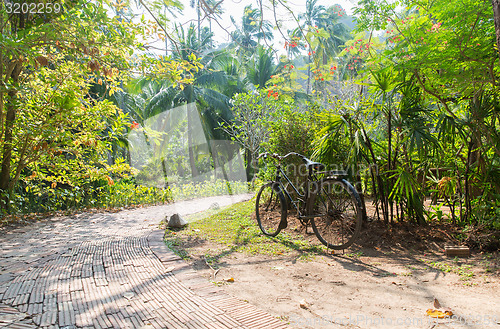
[(366, 287), (372, 290)]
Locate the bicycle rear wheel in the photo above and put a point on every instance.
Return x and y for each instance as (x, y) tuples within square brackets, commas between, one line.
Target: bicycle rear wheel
[(270, 209), (339, 213)]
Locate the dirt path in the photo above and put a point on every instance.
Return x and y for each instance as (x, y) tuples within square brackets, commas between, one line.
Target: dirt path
[(363, 288), (364, 292)]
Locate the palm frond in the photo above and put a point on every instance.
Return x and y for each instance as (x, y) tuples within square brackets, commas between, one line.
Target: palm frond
[(164, 100)]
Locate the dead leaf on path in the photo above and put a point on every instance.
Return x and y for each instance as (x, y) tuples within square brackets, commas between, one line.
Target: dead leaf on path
[(438, 314), (436, 303), (438, 311), (229, 280)]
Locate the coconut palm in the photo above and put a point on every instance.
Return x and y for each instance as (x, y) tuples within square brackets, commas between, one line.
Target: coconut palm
[(253, 29), (314, 13), (205, 91), (338, 33), (261, 67), (214, 10)]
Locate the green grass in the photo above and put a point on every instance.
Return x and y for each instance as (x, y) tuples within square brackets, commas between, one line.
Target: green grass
[(463, 271), (234, 230), (354, 254)]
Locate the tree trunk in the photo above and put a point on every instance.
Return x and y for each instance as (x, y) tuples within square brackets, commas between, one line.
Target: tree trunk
[(389, 164), (496, 18), (380, 181), (240, 161), (6, 184), (192, 164), (248, 169), (308, 89), (164, 169)]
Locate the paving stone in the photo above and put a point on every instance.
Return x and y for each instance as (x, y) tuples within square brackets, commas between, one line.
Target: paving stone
[(227, 321), (21, 299), (78, 278), (48, 318)]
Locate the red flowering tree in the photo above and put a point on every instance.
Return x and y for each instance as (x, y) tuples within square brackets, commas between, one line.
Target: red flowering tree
[(442, 62)]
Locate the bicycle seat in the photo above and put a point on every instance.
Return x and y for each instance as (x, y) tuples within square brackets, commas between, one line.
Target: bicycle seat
[(311, 165)]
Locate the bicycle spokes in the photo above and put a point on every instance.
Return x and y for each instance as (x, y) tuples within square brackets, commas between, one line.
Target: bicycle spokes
[(337, 221), (270, 209)]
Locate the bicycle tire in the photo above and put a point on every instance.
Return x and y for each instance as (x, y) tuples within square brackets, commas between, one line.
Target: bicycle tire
[(271, 209), (338, 212)]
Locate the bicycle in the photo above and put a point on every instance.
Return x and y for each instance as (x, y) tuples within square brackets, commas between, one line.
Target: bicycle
[(330, 204)]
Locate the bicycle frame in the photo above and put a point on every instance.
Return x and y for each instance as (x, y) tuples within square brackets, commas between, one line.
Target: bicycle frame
[(305, 196)]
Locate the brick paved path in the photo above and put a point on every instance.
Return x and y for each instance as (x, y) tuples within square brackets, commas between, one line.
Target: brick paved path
[(112, 270)]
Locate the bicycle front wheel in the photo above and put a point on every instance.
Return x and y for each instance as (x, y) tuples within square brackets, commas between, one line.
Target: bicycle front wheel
[(270, 209), (338, 213)]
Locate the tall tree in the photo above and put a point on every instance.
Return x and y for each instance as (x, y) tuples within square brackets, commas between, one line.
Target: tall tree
[(253, 29), (48, 120), (496, 18), (204, 91), (261, 67), (446, 48), (313, 15)]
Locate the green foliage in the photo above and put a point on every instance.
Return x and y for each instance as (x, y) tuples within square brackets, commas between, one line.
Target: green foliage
[(253, 29), (250, 127), (101, 193), (43, 196), (332, 144), (488, 212), (207, 188), (294, 131), (406, 190), (55, 123)]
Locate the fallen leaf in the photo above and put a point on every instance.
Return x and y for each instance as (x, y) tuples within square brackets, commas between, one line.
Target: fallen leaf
[(303, 304), (438, 314), (229, 280), (436, 303)]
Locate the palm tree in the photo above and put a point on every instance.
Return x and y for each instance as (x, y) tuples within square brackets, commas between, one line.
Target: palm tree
[(235, 71), (253, 29), (318, 17), (191, 43), (314, 13), (204, 91), (214, 10), (261, 67), (338, 33)]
